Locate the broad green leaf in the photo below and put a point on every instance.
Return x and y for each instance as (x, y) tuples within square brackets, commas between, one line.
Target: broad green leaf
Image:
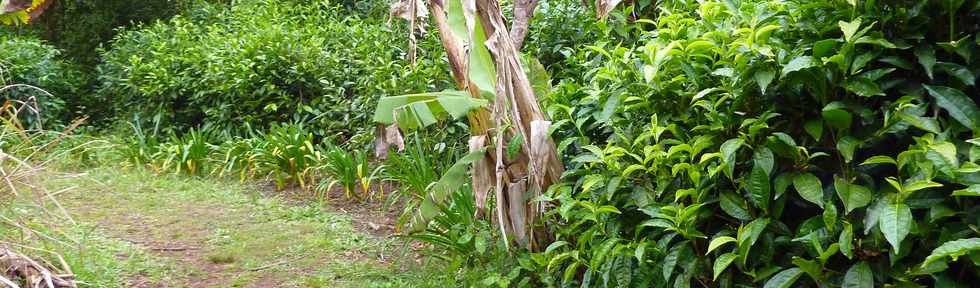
[(959, 71), (455, 177), (873, 214), (823, 48), (919, 185), (845, 239), (858, 276), (763, 157), (420, 110), (809, 187), (670, 261), (538, 76), (784, 279), (852, 195), (927, 58), (847, 145), (814, 128), (728, 150), (735, 206), (748, 235), (799, 63), (895, 222), (759, 188), (928, 124), (836, 116), (953, 249), (874, 41), (717, 242), (763, 77), (456, 20), (782, 182), (482, 69), (863, 87), (722, 262), (810, 267), (973, 190), (879, 159), (849, 28), (940, 211), (959, 106), (830, 215)]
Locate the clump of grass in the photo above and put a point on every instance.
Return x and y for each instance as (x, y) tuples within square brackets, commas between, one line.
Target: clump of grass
[(221, 258), (349, 169), (288, 154)]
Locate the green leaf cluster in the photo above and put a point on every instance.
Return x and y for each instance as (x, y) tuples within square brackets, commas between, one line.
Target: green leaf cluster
[(263, 62), (773, 144)]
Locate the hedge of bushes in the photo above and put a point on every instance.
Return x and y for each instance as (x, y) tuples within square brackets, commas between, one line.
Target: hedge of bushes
[(775, 144), (262, 62), (30, 61)]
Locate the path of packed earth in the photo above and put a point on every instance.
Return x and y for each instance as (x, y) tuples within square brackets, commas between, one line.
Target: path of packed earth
[(184, 232)]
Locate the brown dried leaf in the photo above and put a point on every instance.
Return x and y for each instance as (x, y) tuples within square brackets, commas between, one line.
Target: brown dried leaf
[(603, 7), (482, 175)]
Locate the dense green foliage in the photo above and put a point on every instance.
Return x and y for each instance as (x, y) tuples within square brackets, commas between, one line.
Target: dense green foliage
[(753, 143), (29, 61), (80, 27), (774, 143), (224, 67)]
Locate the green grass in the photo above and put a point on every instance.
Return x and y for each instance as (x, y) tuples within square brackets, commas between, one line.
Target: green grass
[(135, 226)]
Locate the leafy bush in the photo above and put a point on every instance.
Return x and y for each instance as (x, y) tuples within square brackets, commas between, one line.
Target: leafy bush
[(29, 61), (80, 27), (752, 144), (232, 66)]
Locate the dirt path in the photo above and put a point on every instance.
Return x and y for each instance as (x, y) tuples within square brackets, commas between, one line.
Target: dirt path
[(209, 233)]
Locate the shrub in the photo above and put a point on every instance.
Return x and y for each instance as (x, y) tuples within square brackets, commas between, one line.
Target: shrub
[(775, 143), (236, 66), (29, 61)]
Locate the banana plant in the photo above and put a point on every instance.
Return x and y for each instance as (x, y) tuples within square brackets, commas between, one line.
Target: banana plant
[(500, 103)]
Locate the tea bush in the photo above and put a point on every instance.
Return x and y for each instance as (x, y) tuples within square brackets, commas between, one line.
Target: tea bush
[(263, 62), (775, 144), (30, 61)]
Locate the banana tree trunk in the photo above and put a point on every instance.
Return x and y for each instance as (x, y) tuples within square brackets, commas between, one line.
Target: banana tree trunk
[(517, 180)]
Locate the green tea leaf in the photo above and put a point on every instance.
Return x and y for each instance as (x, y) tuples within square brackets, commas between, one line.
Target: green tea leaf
[(849, 28), (814, 128), (784, 279), (859, 276), (722, 262), (953, 249), (809, 187), (972, 190), (847, 145), (959, 106), (845, 239), (799, 63), (717, 242), (763, 77), (836, 116), (763, 157), (735, 206), (927, 58), (728, 150), (759, 188), (863, 87), (895, 222), (852, 195), (879, 159)]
